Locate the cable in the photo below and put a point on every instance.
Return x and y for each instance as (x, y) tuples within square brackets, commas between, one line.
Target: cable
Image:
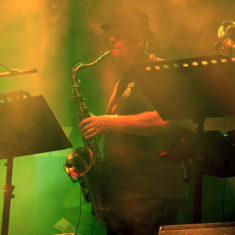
[(224, 125), (223, 200), (80, 211), (223, 195)]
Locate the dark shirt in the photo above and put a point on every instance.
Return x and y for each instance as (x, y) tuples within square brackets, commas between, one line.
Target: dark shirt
[(133, 164)]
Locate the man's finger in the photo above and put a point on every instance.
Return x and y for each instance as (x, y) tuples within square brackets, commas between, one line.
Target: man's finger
[(89, 131), (86, 127), (84, 122), (91, 135)]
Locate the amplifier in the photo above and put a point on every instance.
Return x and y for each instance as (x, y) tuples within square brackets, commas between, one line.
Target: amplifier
[(227, 228)]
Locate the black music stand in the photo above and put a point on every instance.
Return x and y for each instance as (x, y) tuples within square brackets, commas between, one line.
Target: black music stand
[(193, 88), (28, 126)]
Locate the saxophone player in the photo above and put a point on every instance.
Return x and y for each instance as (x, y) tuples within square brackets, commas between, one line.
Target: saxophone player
[(143, 191)]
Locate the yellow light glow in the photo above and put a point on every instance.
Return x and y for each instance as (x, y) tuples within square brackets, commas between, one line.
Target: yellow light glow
[(224, 60), (157, 67), (195, 63), (166, 66), (148, 68), (214, 61), (204, 62)]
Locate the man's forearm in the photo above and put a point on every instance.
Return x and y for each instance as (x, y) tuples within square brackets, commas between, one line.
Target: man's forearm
[(147, 123)]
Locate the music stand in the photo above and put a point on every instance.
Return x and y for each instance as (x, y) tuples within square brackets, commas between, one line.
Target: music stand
[(192, 88), (28, 126)]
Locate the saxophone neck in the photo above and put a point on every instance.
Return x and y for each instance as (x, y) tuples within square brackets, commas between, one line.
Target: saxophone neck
[(103, 56), (82, 65)]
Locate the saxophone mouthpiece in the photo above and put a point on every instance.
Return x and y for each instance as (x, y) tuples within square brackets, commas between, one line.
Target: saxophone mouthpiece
[(107, 52)]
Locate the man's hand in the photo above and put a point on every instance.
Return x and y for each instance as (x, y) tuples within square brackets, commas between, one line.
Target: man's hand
[(95, 125)]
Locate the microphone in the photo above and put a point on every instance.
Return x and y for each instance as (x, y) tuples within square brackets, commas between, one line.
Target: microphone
[(15, 72)]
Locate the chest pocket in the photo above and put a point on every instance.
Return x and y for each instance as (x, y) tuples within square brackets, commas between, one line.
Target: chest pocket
[(132, 101), (127, 91)]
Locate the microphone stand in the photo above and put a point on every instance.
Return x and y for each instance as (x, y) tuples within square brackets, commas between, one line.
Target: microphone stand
[(8, 190)]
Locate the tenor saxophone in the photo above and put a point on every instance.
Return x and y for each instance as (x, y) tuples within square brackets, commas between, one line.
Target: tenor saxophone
[(85, 164)]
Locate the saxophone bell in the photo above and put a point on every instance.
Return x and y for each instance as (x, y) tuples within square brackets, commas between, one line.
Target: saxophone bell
[(78, 162)]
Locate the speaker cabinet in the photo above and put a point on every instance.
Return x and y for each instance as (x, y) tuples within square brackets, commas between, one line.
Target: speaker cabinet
[(227, 228)]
